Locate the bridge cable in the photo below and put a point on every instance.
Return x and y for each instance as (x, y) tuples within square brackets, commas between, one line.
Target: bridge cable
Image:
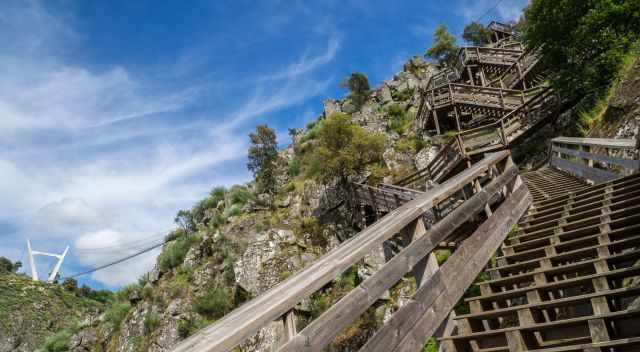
[(148, 249)]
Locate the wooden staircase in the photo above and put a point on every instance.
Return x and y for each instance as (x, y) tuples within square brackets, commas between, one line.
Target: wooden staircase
[(567, 279), (479, 223)]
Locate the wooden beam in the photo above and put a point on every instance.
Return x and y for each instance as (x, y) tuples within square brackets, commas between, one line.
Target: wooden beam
[(580, 170), (323, 330), (247, 319), (410, 327), (627, 163)]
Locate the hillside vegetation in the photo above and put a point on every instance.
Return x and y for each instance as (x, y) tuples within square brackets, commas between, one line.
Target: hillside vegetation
[(238, 242), (30, 312)]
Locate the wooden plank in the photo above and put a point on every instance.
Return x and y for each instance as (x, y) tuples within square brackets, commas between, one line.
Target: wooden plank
[(583, 171), (411, 325), (627, 163), (246, 320), (598, 142), (338, 317)]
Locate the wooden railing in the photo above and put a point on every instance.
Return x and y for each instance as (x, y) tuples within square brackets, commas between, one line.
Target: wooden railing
[(383, 198), (595, 159), (501, 133), (488, 55), (498, 26), (494, 179), (445, 76), (497, 98), (447, 158), (517, 72)]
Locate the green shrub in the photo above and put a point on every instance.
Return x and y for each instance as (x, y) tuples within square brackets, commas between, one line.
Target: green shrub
[(174, 252), (411, 145), (442, 256), (403, 95), (59, 342), (115, 314), (151, 322), (311, 125), (233, 210), (294, 168), (344, 149), (215, 303), (239, 195), (378, 173), (400, 121), (431, 346), (358, 84), (175, 234)]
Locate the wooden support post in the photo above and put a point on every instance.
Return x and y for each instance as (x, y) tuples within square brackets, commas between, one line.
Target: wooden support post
[(470, 76), (515, 341), (289, 321), (437, 123), (598, 330), (520, 77), (455, 109)]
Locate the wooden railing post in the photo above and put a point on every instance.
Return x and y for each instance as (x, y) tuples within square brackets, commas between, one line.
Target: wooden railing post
[(289, 321)]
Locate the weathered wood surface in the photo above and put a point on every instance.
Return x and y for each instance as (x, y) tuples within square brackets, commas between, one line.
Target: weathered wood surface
[(324, 329), (566, 268), (507, 129), (598, 142), (626, 163), (410, 327), (584, 171), (243, 322)]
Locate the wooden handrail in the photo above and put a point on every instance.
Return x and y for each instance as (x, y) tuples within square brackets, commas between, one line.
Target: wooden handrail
[(592, 159), (508, 116), (597, 142), (247, 319)]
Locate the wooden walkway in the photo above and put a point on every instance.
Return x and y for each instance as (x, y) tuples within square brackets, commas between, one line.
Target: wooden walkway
[(499, 198), (565, 281)]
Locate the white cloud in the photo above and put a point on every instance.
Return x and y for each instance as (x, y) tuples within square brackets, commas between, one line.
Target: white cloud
[(68, 213), (306, 64), (84, 163)]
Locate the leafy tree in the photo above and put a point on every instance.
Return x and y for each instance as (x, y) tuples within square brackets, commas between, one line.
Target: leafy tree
[(358, 84), (70, 284), (476, 34), (444, 49), (343, 149), (583, 42), (263, 155), (184, 219), (6, 266)]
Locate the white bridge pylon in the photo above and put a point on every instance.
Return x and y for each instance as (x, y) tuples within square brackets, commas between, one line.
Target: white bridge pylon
[(32, 262)]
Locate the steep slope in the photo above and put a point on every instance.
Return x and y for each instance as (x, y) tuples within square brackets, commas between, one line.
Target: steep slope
[(31, 311), (236, 243)]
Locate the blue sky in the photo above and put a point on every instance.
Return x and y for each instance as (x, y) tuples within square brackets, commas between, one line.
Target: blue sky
[(116, 114)]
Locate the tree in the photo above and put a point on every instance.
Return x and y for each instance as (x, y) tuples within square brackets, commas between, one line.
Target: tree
[(185, 220), (6, 266), (444, 49), (343, 149), (476, 34), (358, 84), (583, 42), (263, 155), (70, 284)]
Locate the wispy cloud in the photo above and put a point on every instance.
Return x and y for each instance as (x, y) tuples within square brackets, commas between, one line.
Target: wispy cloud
[(306, 64), (102, 157)]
